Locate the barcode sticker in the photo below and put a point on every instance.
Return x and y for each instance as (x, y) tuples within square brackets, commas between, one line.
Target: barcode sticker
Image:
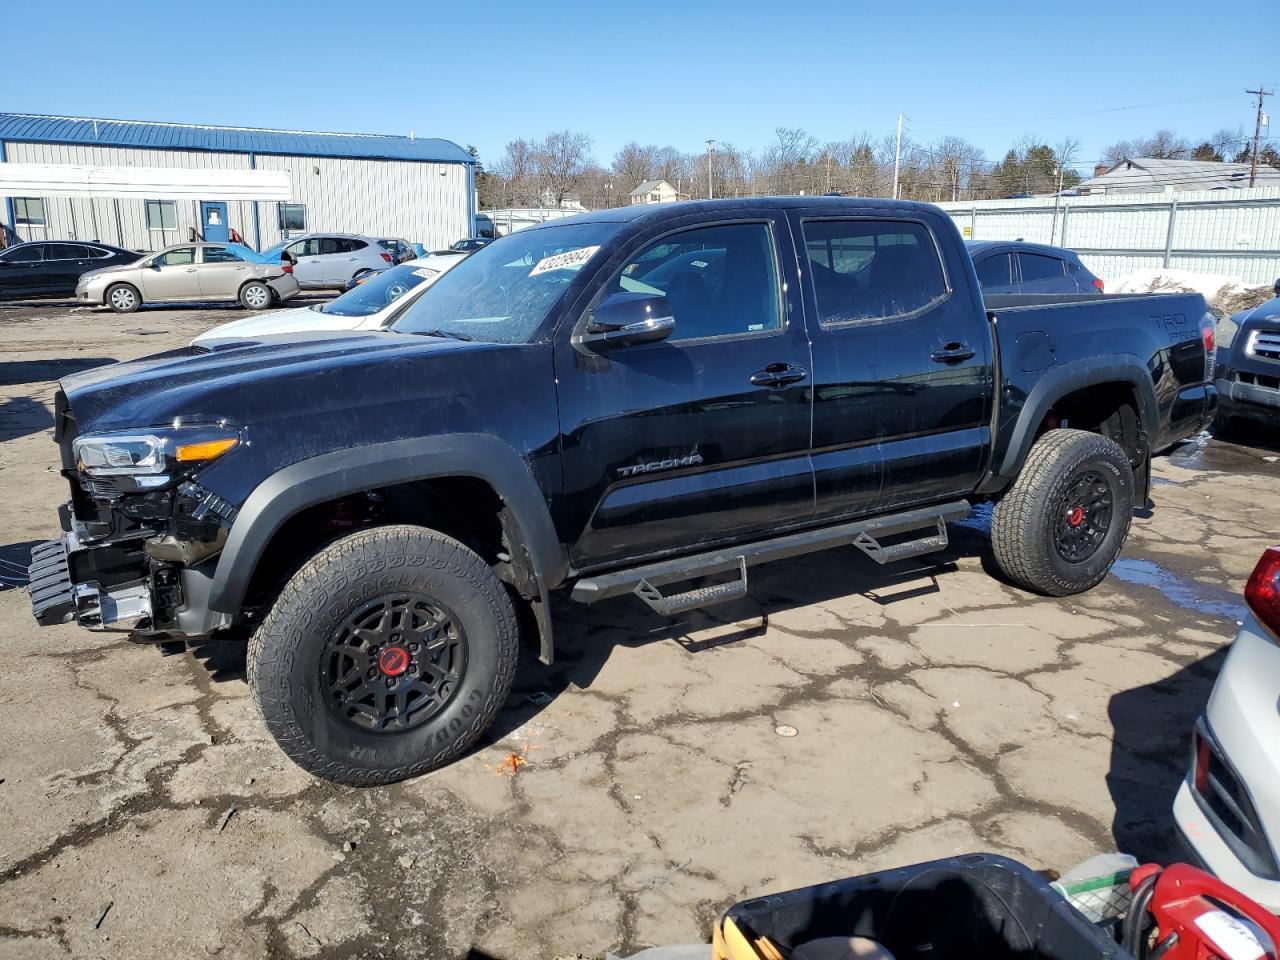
[(569, 260)]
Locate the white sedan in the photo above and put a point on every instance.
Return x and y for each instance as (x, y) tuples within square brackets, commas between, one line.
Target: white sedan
[(369, 306)]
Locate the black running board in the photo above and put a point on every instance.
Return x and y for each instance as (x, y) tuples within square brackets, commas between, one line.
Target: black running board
[(645, 580)]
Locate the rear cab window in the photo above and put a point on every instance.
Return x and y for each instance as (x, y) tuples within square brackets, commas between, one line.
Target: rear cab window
[(870, 270)]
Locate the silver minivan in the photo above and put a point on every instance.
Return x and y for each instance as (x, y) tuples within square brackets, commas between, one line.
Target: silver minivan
[(330, 260)]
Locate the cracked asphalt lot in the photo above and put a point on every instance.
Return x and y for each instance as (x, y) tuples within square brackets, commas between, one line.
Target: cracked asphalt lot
[(937, 710)]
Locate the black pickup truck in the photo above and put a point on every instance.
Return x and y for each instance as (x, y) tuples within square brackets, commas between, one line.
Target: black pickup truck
[(643, 401)]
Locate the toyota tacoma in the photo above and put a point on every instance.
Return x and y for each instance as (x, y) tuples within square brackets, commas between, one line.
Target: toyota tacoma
[(643, 401)]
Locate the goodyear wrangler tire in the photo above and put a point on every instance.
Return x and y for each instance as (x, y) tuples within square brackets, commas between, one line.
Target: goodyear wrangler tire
[(387, 655), (1063, 521)]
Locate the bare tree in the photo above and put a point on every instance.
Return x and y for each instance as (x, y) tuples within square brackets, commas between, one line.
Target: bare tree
[(561, 160), (788, 160), (632, 165)]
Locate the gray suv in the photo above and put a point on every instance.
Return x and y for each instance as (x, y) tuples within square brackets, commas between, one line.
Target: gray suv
[(330, 260)]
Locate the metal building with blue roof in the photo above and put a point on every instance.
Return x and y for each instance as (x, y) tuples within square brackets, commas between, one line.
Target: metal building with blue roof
[(418, 188)]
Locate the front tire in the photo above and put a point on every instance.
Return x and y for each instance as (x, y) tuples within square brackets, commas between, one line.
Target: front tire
[(387, 655), (255, 296), (123, 298), (1062, 523)]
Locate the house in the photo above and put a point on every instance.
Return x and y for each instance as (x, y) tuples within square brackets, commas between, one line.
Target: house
[(385, 186), (1153, 175), (656, 191)]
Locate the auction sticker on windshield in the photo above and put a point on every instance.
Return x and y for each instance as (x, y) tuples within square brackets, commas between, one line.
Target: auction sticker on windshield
[(569, 260)]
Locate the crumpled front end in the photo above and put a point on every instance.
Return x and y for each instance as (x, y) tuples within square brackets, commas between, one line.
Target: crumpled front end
[(132, 554)]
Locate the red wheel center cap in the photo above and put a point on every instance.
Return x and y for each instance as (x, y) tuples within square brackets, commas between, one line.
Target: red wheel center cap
[(1075, 516), (393, 661)]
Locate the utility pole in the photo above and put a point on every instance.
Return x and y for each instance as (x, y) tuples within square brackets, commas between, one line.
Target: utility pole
[(710, 194), (1261, 94), (1057, 199), (897, 155)]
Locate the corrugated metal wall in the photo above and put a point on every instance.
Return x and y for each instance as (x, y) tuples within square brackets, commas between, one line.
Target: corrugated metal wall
[(421, 202), (1235, 233)]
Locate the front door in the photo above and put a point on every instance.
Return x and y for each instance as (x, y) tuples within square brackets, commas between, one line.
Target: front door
[(171, 276), (701, 437), (309, 270), (902, 366), (213, 217)]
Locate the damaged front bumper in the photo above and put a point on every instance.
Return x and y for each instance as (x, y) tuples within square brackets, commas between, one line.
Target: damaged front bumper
[(57, 598)]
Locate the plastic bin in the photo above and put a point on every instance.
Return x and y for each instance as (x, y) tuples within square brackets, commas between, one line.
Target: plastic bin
[(975, 906)]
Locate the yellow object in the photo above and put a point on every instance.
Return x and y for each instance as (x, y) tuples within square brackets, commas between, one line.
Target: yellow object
[(730, 943), (188, 452)]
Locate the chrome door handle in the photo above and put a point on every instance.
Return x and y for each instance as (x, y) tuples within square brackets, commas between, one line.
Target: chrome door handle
[(190, 270), (778, 375)]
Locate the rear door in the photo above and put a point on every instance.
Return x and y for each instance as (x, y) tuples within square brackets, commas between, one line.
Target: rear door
[(901, 364), (221, 273), (61, 267), (1039, 273), (704, 436)]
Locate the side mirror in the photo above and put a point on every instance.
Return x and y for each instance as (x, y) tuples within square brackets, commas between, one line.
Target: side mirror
[(624, 319), (287, 257), (1277, 288)]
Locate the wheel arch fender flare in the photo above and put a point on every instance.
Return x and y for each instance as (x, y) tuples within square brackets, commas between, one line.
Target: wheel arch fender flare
[(1058, 382), (328, 476)]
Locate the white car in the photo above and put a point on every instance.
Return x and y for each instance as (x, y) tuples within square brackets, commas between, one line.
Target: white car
[(1228, 807), (370, 306), (326, 261)]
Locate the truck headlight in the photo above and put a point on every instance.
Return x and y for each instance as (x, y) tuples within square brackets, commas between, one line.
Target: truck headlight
[(155, 457)]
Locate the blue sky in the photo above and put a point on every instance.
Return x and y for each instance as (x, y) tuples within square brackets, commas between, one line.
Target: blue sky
[(656, 72)]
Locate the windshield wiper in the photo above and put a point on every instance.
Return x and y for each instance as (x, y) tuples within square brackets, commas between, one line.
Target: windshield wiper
[(445, 333)]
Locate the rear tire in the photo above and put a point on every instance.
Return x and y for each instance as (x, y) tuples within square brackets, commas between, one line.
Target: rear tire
[(1062, 523), (123, 298), (387, 655), (255, 295)]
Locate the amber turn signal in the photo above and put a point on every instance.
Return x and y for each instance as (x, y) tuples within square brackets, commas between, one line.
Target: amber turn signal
[(207, 450)]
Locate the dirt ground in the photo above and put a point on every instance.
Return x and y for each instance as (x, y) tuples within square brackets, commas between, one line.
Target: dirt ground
[(636, 789)]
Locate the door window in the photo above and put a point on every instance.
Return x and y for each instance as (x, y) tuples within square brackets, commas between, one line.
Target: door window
[(181, 256), (330, 245), (872, 269), (220, 255), (305, 248), (31, 253), (993, 272), (1036, 267), (719, 281), (63, 251)]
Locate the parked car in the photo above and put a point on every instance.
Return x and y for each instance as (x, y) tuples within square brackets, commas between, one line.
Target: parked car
[(373, 506), (1228, 807), (326, 261), (470, 246), (370, 306), (435, 262), (1248, 372), (400, 250), (1017, 267), (52, 268), (191, 271)]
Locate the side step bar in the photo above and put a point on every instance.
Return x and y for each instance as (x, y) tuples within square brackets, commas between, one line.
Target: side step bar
[(645, 581)]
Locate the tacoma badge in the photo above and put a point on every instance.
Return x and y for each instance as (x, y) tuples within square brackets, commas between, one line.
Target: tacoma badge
[(692, 460)]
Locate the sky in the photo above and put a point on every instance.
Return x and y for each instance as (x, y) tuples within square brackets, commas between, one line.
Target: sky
[(654, 72)]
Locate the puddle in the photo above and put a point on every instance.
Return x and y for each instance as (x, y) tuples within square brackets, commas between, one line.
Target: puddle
[(1208, 453), (1164, 482), (1199, 597)]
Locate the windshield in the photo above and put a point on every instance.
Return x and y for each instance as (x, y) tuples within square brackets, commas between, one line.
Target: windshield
[(504, 291), (380, 291)]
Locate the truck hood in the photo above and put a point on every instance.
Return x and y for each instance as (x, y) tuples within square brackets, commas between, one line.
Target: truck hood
[(277, 375), (254, 328)]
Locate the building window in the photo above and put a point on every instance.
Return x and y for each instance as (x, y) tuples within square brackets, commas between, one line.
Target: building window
[(29, 210), (293, 216), (162, 215)]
